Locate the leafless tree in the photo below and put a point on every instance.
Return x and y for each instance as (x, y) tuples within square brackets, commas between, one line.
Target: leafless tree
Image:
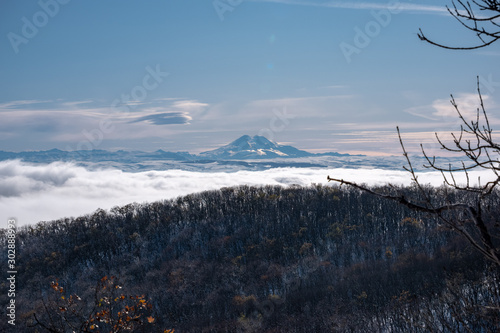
[(467, 214), (480, 17)]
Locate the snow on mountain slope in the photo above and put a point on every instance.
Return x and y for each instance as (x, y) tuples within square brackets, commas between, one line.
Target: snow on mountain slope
[(247, 147)]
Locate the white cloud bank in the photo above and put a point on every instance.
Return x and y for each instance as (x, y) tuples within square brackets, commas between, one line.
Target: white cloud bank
[(32, 193)]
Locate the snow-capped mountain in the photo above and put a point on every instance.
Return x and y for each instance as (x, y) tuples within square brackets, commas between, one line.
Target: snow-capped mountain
[(257, 147), (245, 153), (243, 148)]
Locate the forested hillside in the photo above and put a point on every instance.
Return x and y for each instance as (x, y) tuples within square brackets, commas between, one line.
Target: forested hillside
[(262, 259)]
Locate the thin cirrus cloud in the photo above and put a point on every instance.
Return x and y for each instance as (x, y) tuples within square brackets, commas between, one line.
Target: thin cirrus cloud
[(23, 104), (402, 6), (37, 192), (293, 107)]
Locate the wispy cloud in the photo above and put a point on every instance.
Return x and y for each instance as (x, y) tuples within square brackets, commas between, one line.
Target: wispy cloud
[(189, 105), (66, 122), (400, 6), (444, 113), (22, 104), (304, 107)]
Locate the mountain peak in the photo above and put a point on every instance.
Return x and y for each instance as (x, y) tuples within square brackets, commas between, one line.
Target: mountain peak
[(246, 142), (243, 138), (258, 147), (262, 140)]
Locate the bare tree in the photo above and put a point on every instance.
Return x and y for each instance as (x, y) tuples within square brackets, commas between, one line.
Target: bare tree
[(480, 17), (467, 214)]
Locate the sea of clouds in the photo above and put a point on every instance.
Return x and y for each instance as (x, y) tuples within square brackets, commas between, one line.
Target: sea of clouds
[(40, 192)]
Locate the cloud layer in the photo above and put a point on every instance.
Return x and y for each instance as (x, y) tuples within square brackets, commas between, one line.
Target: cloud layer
[(33, 193)]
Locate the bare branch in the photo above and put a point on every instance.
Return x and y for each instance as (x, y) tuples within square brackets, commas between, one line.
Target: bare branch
[(483, 26), (475, 143)]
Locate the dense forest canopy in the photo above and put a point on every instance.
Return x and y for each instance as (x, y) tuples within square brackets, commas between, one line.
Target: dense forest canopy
[(266, 259)]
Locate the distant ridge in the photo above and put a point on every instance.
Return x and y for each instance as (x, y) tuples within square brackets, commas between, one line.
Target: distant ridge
[(243, 148)]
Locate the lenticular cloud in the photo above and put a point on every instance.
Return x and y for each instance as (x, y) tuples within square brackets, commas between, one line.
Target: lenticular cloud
[(39, 192)]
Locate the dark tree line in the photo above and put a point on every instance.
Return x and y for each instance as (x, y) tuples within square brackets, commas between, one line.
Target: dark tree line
[(268, 259)]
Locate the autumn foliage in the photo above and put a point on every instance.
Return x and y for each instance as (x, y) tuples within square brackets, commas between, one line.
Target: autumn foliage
[(111, 310)]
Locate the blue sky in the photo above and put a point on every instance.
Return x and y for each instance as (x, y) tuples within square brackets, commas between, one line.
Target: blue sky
[(193, 75)]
